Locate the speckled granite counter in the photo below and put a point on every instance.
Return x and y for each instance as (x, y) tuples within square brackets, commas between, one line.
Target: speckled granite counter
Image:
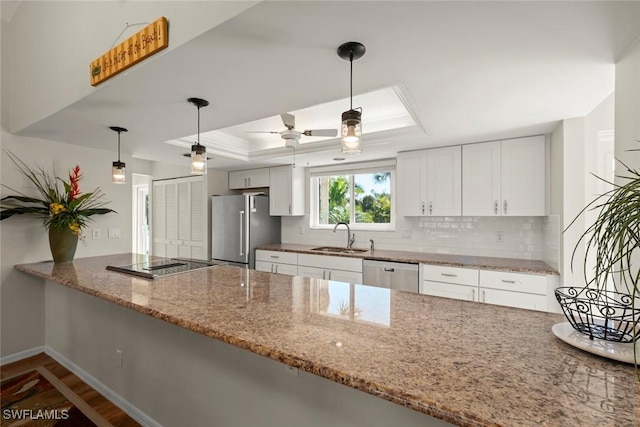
[(467, 363), (486, 263)]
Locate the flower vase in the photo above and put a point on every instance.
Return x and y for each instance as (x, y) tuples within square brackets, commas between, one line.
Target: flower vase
[(63, 244)]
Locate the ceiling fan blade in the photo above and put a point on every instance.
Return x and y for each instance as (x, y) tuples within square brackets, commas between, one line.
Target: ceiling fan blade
[(321, 132), (289, 120), (261, 131)]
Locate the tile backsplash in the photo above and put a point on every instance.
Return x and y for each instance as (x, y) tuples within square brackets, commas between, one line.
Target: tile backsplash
[(504, 237)]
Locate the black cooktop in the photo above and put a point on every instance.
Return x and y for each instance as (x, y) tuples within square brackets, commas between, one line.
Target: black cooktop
[(165, 267)]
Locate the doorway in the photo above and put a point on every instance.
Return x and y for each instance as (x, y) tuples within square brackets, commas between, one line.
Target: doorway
[(140, 222)]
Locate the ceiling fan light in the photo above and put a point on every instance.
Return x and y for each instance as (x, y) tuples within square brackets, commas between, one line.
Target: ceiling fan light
[(118, 173), (198, 159)]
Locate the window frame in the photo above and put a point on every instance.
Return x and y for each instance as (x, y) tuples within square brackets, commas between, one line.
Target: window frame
[(350, 171)]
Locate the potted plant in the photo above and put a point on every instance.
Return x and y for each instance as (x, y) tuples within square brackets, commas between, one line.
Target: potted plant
[(65, 211), (608, 307)]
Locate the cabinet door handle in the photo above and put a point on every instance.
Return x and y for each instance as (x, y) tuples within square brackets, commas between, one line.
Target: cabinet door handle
[(249, 181), (329, 274), (449, 275), (495, 207), (513, 282), (473, 295), (276, 268), (275, 256), (324, 273), (430, 208), (272, 267), (505, 207), (389, 269), (241, 232), (422, 208), (484, 295)]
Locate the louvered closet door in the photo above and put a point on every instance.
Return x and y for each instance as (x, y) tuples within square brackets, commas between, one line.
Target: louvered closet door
[(159, 220), (198, 216), (171, 215)]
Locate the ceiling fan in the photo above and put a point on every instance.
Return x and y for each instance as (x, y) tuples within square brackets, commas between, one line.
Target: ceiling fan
[(291, 136)]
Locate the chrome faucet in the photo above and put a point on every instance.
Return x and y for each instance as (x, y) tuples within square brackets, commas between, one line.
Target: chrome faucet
[(349, 238)]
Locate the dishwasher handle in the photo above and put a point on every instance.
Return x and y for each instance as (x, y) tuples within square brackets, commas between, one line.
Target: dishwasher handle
[(389, 269)]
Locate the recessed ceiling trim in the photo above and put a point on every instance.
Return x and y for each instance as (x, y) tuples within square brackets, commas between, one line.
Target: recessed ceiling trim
[(407, 100)]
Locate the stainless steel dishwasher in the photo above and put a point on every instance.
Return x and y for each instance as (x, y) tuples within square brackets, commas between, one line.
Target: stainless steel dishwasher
[(392, 275)]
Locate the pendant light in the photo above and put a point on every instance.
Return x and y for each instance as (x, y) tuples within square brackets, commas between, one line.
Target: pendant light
[(118, 175), (351, 129), (198, 152)]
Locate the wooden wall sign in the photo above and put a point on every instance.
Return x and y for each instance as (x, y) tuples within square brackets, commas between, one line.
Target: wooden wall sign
[(151, 39)]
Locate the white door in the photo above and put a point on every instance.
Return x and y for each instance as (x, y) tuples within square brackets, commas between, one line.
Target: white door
[(412, 186), (449, 290), (280, 191), (481, 179), (513, 299), (344, 276), (314, 272), (444, 181), (523, 176)]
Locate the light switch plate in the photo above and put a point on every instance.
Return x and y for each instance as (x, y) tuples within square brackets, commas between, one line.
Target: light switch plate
[(114, 233), (95, 233)]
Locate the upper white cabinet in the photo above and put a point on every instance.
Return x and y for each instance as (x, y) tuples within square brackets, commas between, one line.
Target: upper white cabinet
[(286, 192), (249, 178), (504, 178), (429, 182), (179, 218)]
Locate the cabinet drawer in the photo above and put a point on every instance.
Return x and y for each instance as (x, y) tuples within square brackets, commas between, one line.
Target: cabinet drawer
[(449, 290), (517, 282), (331, 262), (514, 299), (441, 273), (277, 256)]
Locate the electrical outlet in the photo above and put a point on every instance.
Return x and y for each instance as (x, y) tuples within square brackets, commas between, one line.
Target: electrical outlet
[(95, 233), (114, 233), (499, 237), (406, 234)]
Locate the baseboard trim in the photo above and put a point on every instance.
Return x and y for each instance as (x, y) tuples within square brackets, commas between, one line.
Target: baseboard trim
[(127, 407), (21, 355)]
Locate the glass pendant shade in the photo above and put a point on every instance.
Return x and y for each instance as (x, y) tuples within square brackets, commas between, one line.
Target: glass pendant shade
[(351, 132), (198, 159), (118, 173)]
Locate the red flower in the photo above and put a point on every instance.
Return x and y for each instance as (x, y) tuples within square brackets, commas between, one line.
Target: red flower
[(74, 178)]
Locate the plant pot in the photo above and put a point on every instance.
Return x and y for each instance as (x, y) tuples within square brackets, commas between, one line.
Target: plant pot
[(63, 245)]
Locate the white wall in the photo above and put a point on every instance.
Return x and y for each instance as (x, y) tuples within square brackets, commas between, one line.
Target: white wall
[(53, 43), (574, 158), (627, 104), (24, 239), (180, 378)]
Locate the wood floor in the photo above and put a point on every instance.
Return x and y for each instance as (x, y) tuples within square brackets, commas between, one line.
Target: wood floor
[(99, 403)]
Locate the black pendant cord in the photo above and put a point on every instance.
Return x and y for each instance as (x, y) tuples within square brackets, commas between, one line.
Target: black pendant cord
[(198, 125), (351, 81), (118, 146)]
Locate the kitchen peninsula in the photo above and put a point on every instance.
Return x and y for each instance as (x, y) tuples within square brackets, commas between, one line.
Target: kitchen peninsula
[(465, 363)]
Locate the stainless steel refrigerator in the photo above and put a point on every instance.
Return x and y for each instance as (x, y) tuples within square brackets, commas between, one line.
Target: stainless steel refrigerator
[(239, 223)]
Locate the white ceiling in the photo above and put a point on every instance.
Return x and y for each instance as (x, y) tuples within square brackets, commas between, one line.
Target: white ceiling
[(468, 71)]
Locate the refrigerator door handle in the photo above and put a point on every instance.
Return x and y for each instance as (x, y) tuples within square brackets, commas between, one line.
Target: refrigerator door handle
[(241, 232)]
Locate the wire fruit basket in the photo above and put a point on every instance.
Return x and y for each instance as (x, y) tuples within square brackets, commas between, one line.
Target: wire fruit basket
[(605, 315)]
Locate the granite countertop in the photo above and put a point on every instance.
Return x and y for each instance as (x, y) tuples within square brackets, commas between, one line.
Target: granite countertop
[(467, 363), (485, 263)]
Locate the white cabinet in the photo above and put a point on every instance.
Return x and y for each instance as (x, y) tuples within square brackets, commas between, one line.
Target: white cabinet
[(449, 282), (249, 178), (514, 289), (521, 290), (342, 269), (286, 191), (430, 182), (504, 178), (277, 262), (179, 218)]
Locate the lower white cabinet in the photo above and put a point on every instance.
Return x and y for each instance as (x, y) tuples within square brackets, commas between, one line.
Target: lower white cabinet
[(521, 290), (341, 269), (277, 262)]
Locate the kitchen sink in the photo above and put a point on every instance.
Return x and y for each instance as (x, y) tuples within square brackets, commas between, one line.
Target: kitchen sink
[(338, 250)]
